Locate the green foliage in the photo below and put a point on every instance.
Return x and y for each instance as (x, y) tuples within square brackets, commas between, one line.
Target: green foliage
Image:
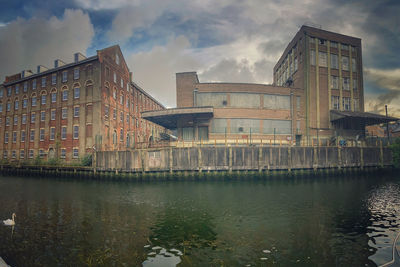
[(87, 160), (54, 162), (396, 152), (38, 161)]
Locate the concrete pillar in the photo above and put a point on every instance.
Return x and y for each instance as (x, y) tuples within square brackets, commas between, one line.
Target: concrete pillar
[(230, 159), (200, 163), (171, 161), (339, 157), (362, 157), (381, 154), (260, 159), (289, 159)]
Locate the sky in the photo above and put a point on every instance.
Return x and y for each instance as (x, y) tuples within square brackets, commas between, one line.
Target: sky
[(224, 40)]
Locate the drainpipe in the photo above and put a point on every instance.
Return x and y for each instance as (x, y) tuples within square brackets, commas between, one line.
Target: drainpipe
[(291, 116)]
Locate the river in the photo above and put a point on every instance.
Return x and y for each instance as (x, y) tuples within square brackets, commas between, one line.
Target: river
[(329, 221)]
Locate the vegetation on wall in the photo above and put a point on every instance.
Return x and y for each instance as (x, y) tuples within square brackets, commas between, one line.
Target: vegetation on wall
[(396, 152)]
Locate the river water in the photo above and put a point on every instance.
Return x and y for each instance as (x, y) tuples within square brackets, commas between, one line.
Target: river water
[(334, 221)]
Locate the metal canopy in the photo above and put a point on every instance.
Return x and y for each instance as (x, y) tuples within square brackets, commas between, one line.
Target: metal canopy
[(168, 118), (365, 118)]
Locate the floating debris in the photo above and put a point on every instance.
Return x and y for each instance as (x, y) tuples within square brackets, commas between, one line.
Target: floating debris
[(266, 251), (146, 246), (151, 253), (263, 259), (156, 248)]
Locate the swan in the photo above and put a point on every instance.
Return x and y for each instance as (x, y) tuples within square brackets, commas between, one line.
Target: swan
[(10, 222)]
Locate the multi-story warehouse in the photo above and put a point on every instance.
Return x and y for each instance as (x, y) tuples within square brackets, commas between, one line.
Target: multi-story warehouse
[(72, 109), (317, 92), (328, 66)]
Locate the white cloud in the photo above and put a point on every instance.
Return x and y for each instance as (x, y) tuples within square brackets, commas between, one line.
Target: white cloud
[(24, 44), (155, 70)]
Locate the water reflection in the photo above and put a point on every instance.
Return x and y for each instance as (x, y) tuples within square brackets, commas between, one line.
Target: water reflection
[(338, 221)]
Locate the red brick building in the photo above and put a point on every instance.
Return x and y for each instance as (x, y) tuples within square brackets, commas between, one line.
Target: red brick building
[(70, 110)]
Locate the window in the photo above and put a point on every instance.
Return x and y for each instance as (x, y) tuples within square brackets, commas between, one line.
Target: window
[(41, 134), (344, 46), (25, 87), (43, 81), (122, 83), (8, 106), (75, 153), (64, 76), (5, 154), (64, 132), (334, 61), (17, 89), (63, 153), (76, 111), (64, 113), (115, 77), (322, 59), (31, 153), (65, 95), (295, 64), (22, 153), (121, 99), (32, 136), (353, 65), (334, 82), (353, 50), (312, 57), (114, 114), (117, 59), (23, 118), (14, 137), (54, 79), (121, 135), (33, 117), (25, 103), (76, 73), (34, 85), (121, 116), (346, 83), (7, 121), (42, 115), (14, 154), (53, 115), (15, 120), (23, 136), (312, 40), (16, 105), (43, 100), (53, 97), (6, 137), (76, 92), (355, 87), (34, 101), (127, 103), (1, 92), (335, 102), (356, 105), (1, 107), (114, 94), (346, 103), (106, 111), (334, 44), (41, 153), (52, 133), (127, 119), (76, 131), (345, 63)]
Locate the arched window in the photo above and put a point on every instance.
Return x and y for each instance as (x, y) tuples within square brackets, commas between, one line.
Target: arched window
[(127, 140), (53, 95)]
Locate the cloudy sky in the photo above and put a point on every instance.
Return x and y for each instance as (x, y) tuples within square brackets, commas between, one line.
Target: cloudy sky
[(223, 40)]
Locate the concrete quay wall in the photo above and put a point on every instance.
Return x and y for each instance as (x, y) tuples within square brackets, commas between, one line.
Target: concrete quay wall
[(242, 158)]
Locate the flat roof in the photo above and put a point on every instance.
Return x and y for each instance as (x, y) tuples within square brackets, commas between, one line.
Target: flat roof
[(365, 118), (168, 118)]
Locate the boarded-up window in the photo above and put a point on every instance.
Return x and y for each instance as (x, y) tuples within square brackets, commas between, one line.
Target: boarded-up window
[(239, 126), (243, 100), (280, 126), (218, 125), (276, 101), (211, 99), (89, 130)]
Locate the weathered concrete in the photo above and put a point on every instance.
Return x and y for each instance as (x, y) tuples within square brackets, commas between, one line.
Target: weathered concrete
[(243, 158)]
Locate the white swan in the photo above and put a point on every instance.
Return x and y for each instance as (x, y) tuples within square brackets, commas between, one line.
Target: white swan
[(10, 222)]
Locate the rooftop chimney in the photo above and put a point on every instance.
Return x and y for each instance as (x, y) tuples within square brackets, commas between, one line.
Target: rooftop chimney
[(58, 63), (41, 68), (78, 57), (26, 73)]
